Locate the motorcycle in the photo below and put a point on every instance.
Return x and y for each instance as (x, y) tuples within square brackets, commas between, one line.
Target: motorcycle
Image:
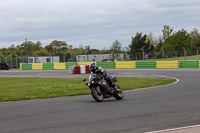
[(100, 88)]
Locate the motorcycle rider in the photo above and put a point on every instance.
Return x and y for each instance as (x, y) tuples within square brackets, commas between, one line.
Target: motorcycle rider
[(103, 74)]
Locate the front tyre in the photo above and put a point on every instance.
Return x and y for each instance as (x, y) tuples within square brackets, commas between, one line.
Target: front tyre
[(97, 94), (120, 94)]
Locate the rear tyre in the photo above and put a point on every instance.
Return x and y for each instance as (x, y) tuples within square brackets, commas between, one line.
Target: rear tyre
[(120, 94), (97, 95)]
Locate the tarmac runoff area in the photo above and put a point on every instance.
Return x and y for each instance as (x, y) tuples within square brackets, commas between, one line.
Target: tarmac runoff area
[(66, 74), (118, 73)]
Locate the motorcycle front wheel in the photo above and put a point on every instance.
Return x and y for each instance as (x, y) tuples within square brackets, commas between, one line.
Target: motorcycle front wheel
[(97, 94), (120, 93)]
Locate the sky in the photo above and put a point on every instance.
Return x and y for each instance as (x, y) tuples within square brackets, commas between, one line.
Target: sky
[(94, 23)]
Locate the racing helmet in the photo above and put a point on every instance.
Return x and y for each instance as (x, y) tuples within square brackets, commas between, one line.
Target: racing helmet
[(93, 67)]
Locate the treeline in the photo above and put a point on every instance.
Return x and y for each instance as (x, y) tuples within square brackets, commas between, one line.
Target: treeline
[(173, 43), (170, 41)]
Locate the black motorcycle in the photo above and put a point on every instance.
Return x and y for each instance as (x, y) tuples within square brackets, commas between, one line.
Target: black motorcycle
[(101, 89)]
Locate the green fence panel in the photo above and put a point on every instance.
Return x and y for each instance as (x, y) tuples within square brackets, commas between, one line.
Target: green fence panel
[(26, 66), (189, 64), (48, 65), (145, 64), (68, 64), (106, 64)]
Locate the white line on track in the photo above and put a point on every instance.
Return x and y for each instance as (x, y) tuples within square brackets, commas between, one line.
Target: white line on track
[(177, 80), (173, 129)]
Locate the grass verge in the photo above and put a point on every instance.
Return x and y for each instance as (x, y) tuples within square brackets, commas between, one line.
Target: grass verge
[(193, 57), (16, 89)]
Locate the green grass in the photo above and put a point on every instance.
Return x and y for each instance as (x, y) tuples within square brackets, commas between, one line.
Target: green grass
[(194, 57), (16, 89)]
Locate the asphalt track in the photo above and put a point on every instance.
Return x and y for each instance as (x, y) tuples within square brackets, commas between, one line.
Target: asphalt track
[(142, 110)]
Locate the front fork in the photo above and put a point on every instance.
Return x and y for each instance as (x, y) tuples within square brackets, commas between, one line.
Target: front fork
[(97, 88)]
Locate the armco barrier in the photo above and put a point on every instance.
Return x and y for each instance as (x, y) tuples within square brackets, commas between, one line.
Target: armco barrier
[(145, 64), (189, 64), (20, 66), (26, 66), (48, 66), (106, 64), (117, 65), (59, 66), (125, 64), (199, 64), (37, 66), (167, 64), (68, 64), (84, 63)]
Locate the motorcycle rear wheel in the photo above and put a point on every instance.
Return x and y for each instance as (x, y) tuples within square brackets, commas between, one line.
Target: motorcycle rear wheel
[(96, 96), (120, 94)]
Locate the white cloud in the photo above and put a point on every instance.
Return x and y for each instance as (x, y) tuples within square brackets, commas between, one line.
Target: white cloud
[(92, 22)]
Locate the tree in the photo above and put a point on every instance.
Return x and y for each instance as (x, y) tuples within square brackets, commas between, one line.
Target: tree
[(151, 41), (37, 46), (95, 51), (195, 39), (72, 53), (177, 41), (57, 47), (116, 49), (81, 49), (12, 50), (42, 52), (70, 46), (68, 56), (104, 51), (167, 32), (158, 44), (138, 44), (116, 46), (27, 46), (87, 50)]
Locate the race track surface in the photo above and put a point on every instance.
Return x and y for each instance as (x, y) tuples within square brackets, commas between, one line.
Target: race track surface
[(143, 110)]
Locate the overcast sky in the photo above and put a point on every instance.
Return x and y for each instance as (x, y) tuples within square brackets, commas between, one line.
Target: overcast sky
[(97, 23)]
